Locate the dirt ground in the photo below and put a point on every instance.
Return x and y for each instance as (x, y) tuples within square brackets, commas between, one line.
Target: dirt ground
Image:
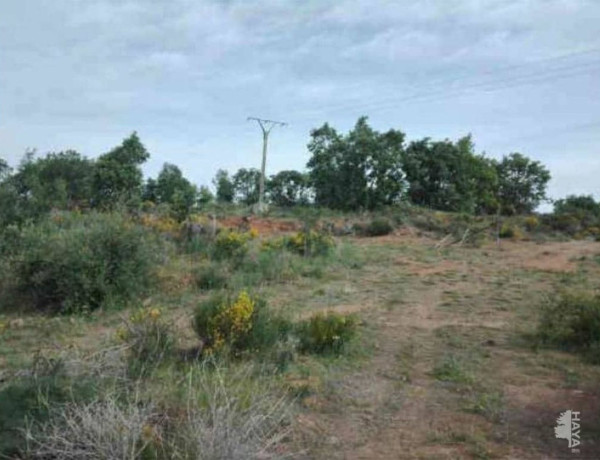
[(467, 306), (448, 368)]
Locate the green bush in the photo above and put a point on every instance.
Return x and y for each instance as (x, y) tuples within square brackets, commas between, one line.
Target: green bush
[(326, 333), (572, 322), (211, 276), (149, 340), (378, 227), (238, 323), (70, 262)]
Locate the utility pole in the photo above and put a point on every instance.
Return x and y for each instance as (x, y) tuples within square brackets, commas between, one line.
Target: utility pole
[(266, 126)]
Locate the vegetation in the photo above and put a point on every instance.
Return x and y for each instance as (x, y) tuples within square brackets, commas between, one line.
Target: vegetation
[(572, 321), (73, 263), (326, 333), (101, 271)]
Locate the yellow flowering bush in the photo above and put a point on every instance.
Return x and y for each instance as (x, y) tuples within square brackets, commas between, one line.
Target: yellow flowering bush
[(310, 243), (231, 245), (160, 224), (273, 244), (237, 323), (224, 321), (148, 338), (531, 223), (512, 231)]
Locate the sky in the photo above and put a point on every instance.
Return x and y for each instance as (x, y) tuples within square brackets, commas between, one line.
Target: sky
[(519, 75)]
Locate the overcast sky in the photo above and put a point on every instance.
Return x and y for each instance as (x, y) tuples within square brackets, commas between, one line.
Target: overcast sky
[(520, 75)]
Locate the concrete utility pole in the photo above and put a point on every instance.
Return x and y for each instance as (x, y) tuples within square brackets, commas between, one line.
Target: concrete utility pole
[(266, 126)]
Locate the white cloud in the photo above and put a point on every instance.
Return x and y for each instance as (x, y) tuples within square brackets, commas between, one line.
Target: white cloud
[(82, 74)]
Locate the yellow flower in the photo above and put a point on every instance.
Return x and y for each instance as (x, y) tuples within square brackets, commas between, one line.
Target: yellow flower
[(121, 334), (154, 313)]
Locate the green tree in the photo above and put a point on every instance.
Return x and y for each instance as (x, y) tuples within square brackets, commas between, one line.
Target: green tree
[(577, 204), (205, 196), (246, 185), (522, 183), (224, 186), (4, 169), (57, 181), (289, 188), (576, 213), (174, 189), (362, 170), (118, 177), (150, 191), (449, 176)]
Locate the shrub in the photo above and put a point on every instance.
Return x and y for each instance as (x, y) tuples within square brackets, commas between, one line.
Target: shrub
[(512, 231), (238, 323), (148, 339), (72, 262), (211, 276), (572, 322), (378, 227), (310, 243), (225, 414), (99, 429), (268, 265), (231, 414), (532, 223), (326, 333), (231, 245)]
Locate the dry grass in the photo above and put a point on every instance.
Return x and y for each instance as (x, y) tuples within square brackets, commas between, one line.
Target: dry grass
[(227, 413), (420, 304)]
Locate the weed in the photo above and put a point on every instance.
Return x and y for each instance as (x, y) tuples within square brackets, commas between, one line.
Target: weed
[(490, 405), (326, 333), (450, 369)]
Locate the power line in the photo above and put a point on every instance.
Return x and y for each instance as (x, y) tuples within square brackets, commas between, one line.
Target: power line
[(513, 81)]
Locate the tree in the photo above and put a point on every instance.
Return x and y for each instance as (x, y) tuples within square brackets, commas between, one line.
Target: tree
[(246, 185), (522, 183), (576, 213), (577, 204), (150, 193), (176, 191), (289, 188), (205, 196), (117, 176), (449, 176), (362, 170), (57, 181), (224, 186), (4, 169)]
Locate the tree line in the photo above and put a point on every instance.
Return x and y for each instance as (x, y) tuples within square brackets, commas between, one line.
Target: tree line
[(360, 170)]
